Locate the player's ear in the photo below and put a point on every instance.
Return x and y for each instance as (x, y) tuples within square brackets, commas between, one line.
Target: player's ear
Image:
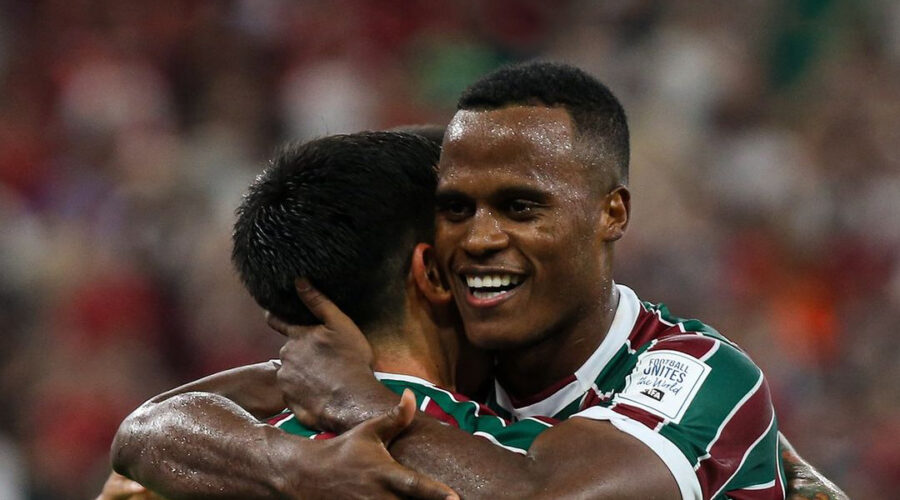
[(428, 279), (616, 210)]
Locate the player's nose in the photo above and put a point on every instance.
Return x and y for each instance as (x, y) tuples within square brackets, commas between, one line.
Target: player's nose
[(485, 234)]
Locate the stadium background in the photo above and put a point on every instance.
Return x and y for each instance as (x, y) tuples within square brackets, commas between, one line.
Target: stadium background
[(766, 183)]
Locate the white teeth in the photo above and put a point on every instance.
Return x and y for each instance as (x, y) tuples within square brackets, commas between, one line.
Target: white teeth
[(492, 280), (486, 295)]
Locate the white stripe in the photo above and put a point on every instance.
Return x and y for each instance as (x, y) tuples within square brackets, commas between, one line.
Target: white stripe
[(712, 350), (409, 378), (746, 454), (674, 459), (498, 443), (667, 323), (532, 419), (779, 466), (763, 486), (623, 323), (425, 402), (403, 378), (728, 418)]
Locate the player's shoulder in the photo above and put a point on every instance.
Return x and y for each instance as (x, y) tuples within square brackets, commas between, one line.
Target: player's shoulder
[(692, 337), (717, 352)]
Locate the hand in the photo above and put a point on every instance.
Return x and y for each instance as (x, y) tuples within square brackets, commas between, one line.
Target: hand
[(326, 373), (119, 487), (357, 464)]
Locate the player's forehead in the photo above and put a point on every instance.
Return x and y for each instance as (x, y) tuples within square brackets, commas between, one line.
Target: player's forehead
[(524, 144), (537, 129)]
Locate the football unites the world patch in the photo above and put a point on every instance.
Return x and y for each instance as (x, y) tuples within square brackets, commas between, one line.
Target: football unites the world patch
[(664, 383)]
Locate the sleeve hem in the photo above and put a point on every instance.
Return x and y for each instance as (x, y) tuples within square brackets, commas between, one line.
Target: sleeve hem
[(678, 465)]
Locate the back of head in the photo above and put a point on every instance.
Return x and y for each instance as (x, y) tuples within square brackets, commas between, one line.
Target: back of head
[(345, 212), (430, 131), (598, 116)]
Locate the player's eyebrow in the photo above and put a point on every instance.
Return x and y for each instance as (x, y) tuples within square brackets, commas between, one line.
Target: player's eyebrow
[(524, 192), (447, 194)]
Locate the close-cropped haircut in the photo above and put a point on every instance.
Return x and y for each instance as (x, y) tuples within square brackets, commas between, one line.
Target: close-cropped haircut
[(430, 131), (599, 119), (344, 211)]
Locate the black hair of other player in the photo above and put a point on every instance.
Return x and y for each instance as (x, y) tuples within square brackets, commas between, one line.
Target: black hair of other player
[(343, 211), (597, 114)]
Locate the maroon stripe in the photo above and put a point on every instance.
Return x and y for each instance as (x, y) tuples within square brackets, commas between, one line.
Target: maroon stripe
[(546, 393), (484, 410), (278, 418), (433, 409), (690, 344), (648, 327), (745, 426), (634, 413), (773, 492)]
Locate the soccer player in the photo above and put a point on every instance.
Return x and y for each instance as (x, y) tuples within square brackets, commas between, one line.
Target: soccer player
[(532, 197), (351, 213)]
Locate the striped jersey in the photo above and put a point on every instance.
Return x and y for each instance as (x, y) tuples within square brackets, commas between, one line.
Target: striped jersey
[(682, 389), (448, 407)]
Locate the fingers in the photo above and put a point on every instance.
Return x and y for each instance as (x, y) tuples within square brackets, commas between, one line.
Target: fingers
[(387, 427), (410, 484), (319, 305), (278, 325), (119, 487)]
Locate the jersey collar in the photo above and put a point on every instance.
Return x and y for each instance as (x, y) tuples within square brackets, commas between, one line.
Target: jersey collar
[(623, 322)]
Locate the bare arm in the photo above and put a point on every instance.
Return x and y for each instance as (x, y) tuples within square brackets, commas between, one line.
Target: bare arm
[(803, 480), (579, 458), (202, 445), (252, 387), (607, 460)]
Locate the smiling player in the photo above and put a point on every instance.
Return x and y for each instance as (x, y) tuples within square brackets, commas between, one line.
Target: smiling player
[(532, 190)]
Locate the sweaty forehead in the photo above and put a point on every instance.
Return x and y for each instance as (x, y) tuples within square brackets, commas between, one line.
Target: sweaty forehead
[(536, 136)]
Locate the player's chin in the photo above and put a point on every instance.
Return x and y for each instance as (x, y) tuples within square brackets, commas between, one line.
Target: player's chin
[(495, 336)]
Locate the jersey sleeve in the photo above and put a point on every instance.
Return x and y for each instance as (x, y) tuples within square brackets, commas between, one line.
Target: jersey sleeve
[(705, 409), (474, 418)]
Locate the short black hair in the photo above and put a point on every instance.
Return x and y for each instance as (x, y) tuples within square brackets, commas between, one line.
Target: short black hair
[(598, 116), (430, 131), (344, 211)]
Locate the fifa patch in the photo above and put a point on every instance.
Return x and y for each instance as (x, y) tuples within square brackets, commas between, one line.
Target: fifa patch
[(664, 383)]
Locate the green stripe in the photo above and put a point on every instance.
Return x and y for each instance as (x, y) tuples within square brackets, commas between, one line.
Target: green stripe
[(516, 435), (293, 426), (731, 377)]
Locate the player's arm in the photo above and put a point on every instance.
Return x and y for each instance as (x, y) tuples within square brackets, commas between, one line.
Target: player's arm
[(200, 445), (577, 458), (804, 481), (252, 387)]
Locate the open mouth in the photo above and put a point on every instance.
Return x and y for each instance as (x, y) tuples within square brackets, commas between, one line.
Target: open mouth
[(489, 286)]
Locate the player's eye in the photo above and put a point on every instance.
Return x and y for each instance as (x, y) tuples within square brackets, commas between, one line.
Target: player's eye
[(454, 209), (520, 208)]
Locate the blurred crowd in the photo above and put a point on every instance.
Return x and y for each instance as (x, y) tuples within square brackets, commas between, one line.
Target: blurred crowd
[(765, 183)]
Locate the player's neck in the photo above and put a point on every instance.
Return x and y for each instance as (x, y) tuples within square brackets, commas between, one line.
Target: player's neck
[(530, 370), (424, 345)]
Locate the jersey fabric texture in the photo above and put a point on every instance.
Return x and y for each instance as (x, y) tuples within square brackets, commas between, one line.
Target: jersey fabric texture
[(682, 389), (448, 407)]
